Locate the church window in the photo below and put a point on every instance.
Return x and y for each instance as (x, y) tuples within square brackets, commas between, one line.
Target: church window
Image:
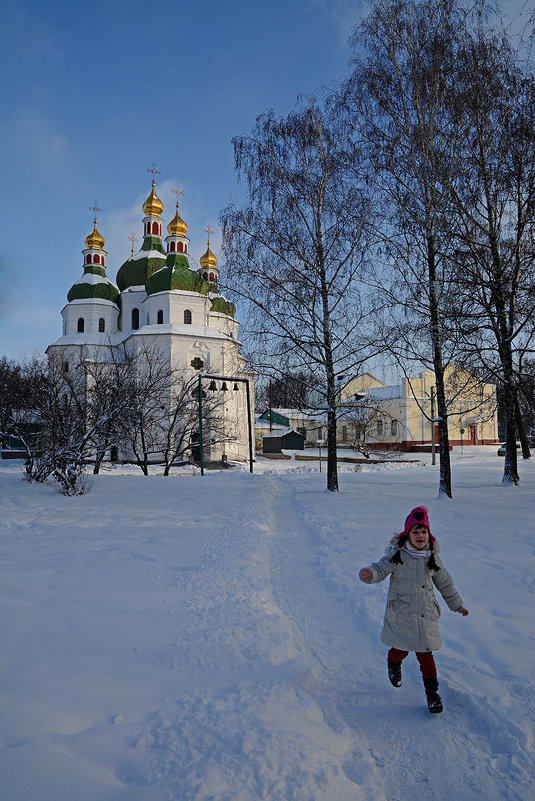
[(160, 317), (172, 247), (180, 247), (88, 258), (101, 325), (65, 367), (135, 319), (155, 228), (187, 317), (185, 248), (394, 428), (96, 259), (80, 327), (212, 278), (379, 428), (205, 276)]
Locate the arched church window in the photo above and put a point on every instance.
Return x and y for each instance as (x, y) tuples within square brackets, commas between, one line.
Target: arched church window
[(101, 325), (212, 278), (80, 327), (185, 248), (96, 259), (160, 317), (180, 247), (135, 319), (172, 247), (88, 258), (187, 317), (155, 228)]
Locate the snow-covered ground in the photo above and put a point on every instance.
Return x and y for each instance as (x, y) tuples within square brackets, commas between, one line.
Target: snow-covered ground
[(207, 639)]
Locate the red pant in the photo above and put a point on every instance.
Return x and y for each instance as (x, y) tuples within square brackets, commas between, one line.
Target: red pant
[(425, 659)]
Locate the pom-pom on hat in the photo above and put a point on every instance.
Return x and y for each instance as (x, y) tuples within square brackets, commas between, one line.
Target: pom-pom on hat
[(417, 517)]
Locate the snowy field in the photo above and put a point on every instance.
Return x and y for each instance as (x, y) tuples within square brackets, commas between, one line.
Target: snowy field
[(207, 639)]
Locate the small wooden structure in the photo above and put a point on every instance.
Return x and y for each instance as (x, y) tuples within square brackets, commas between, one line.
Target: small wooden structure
[(281, 438)]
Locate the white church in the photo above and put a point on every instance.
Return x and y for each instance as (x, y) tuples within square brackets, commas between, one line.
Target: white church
[(160, 304)]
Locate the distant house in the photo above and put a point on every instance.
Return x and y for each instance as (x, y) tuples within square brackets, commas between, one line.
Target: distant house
[(399, 416), (308, 422), (283, 438)]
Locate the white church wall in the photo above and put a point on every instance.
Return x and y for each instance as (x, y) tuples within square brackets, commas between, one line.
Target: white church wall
[(91, 312)]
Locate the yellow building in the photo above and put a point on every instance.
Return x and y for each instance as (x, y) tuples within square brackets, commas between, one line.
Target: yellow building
[(401, 416)]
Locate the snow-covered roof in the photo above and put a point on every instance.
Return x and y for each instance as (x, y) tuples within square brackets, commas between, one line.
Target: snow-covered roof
[(281, 432)]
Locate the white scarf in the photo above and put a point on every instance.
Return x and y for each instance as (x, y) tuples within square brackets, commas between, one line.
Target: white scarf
[(424, 553)]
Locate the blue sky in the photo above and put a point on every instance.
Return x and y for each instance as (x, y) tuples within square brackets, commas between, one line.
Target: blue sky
[(94, 93)]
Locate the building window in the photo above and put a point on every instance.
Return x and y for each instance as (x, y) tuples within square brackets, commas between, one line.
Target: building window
[(155, 228), (344, 433), (96, 259), (65, 367), (160, 317), (80, 327), (88, 258), (135, 319), (180, 247), (172, 247), (185, 248), (379, 428), (187, 317), (212, 278), (394, 428), (101, 325)]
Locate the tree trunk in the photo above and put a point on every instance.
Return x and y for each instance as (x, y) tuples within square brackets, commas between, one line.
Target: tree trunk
[(510, 468), (526, 453), (444, 486)]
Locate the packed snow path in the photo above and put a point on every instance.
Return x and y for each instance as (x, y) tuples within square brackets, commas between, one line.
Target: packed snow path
[(209, 640)]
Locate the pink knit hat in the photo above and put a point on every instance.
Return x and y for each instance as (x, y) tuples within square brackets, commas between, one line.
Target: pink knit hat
[(417, 517)]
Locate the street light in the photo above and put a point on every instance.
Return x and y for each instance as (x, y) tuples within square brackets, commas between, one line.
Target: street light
[(224, 388)]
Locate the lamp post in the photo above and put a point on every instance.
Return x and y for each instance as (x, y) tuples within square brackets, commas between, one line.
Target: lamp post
[(236, 381)]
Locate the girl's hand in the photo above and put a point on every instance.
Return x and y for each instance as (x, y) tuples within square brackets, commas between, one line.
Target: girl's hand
[(462, 611), (365, 573)]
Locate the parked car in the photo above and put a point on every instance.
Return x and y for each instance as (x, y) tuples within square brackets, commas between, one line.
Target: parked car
[(501, 449)]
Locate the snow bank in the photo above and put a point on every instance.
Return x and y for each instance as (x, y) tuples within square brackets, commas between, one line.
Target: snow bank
[(207, 639)]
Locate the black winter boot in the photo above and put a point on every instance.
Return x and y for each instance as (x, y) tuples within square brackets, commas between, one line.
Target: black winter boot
[(394, 673), (434, 701)]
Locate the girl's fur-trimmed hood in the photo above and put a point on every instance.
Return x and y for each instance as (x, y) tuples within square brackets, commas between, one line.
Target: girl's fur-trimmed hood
[(392, 547)]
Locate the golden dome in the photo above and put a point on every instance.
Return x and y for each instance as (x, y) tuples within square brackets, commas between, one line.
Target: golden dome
[(153, 206), (177, 226), (94, 239), (208, 260)]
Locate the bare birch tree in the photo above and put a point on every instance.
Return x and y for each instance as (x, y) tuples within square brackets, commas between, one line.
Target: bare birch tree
[(295, 247), (403, 70)]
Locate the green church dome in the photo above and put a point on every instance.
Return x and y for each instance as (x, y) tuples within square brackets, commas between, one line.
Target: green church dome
[(222, 306), (176, 274), (93, 284), (135, 272)]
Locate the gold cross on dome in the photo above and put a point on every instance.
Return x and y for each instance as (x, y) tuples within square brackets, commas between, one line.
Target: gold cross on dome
[(132, 238), (154, 171), (209, 231), (177, 191), (95, 209)]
